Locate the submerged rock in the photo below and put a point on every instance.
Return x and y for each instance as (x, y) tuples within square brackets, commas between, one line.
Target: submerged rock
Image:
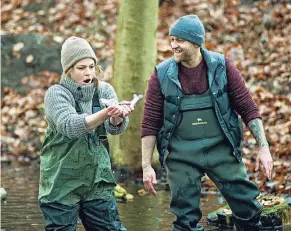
[(121, 193)]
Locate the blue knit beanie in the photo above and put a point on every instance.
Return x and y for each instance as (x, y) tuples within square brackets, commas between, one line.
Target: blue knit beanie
[(189, 28)]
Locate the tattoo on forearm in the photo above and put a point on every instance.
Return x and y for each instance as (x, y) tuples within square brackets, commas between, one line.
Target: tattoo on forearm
[(256, 127)]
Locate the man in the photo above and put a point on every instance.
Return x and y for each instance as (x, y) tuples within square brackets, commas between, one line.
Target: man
[(191, 111)]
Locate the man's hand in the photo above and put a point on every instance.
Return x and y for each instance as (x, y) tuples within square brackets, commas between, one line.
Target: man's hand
[(264, 156), (149, 179)]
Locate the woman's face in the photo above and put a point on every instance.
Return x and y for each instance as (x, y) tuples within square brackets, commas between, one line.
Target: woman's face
[(83, 71)]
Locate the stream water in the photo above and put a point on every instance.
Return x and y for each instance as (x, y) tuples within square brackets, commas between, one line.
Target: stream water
[(20, 211)]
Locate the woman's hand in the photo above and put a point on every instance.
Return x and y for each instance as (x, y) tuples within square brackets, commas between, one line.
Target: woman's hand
[(114, 111), (117, 112), (126, 108), (121, 109)]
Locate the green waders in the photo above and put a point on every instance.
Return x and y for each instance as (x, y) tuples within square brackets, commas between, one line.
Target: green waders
[(76, 180), (199, 146)]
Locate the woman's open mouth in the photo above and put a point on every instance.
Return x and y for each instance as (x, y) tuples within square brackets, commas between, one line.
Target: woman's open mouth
[(86, 81)]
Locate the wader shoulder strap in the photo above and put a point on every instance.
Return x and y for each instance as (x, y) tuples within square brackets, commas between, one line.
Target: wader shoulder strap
[(101, 129), (95, 108)]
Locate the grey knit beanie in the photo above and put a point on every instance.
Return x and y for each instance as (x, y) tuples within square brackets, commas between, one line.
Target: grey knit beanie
[(75, 49), (189, 28)]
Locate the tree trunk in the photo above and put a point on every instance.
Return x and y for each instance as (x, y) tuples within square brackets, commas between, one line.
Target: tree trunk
[(134, 61)]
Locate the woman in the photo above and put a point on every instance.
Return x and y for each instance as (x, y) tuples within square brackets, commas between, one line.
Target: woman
[(75, 170)]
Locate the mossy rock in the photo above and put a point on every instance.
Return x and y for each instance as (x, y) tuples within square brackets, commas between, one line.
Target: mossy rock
[(276, 214), (121, 194)]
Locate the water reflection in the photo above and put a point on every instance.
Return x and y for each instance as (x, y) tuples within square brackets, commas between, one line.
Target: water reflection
[(150, 213)]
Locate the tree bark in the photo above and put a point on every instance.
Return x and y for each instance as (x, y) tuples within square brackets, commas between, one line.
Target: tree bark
[(134, 61)]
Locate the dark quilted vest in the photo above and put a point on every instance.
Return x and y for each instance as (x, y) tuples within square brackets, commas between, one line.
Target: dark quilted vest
[(171, 88)]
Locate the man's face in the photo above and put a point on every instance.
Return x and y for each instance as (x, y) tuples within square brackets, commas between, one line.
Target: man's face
[(184, 51)]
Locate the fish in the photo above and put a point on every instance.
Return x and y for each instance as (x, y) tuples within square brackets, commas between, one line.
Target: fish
[(133, 102)]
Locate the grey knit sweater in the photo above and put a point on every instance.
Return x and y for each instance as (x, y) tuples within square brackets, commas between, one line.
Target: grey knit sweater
[(59, 103)]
